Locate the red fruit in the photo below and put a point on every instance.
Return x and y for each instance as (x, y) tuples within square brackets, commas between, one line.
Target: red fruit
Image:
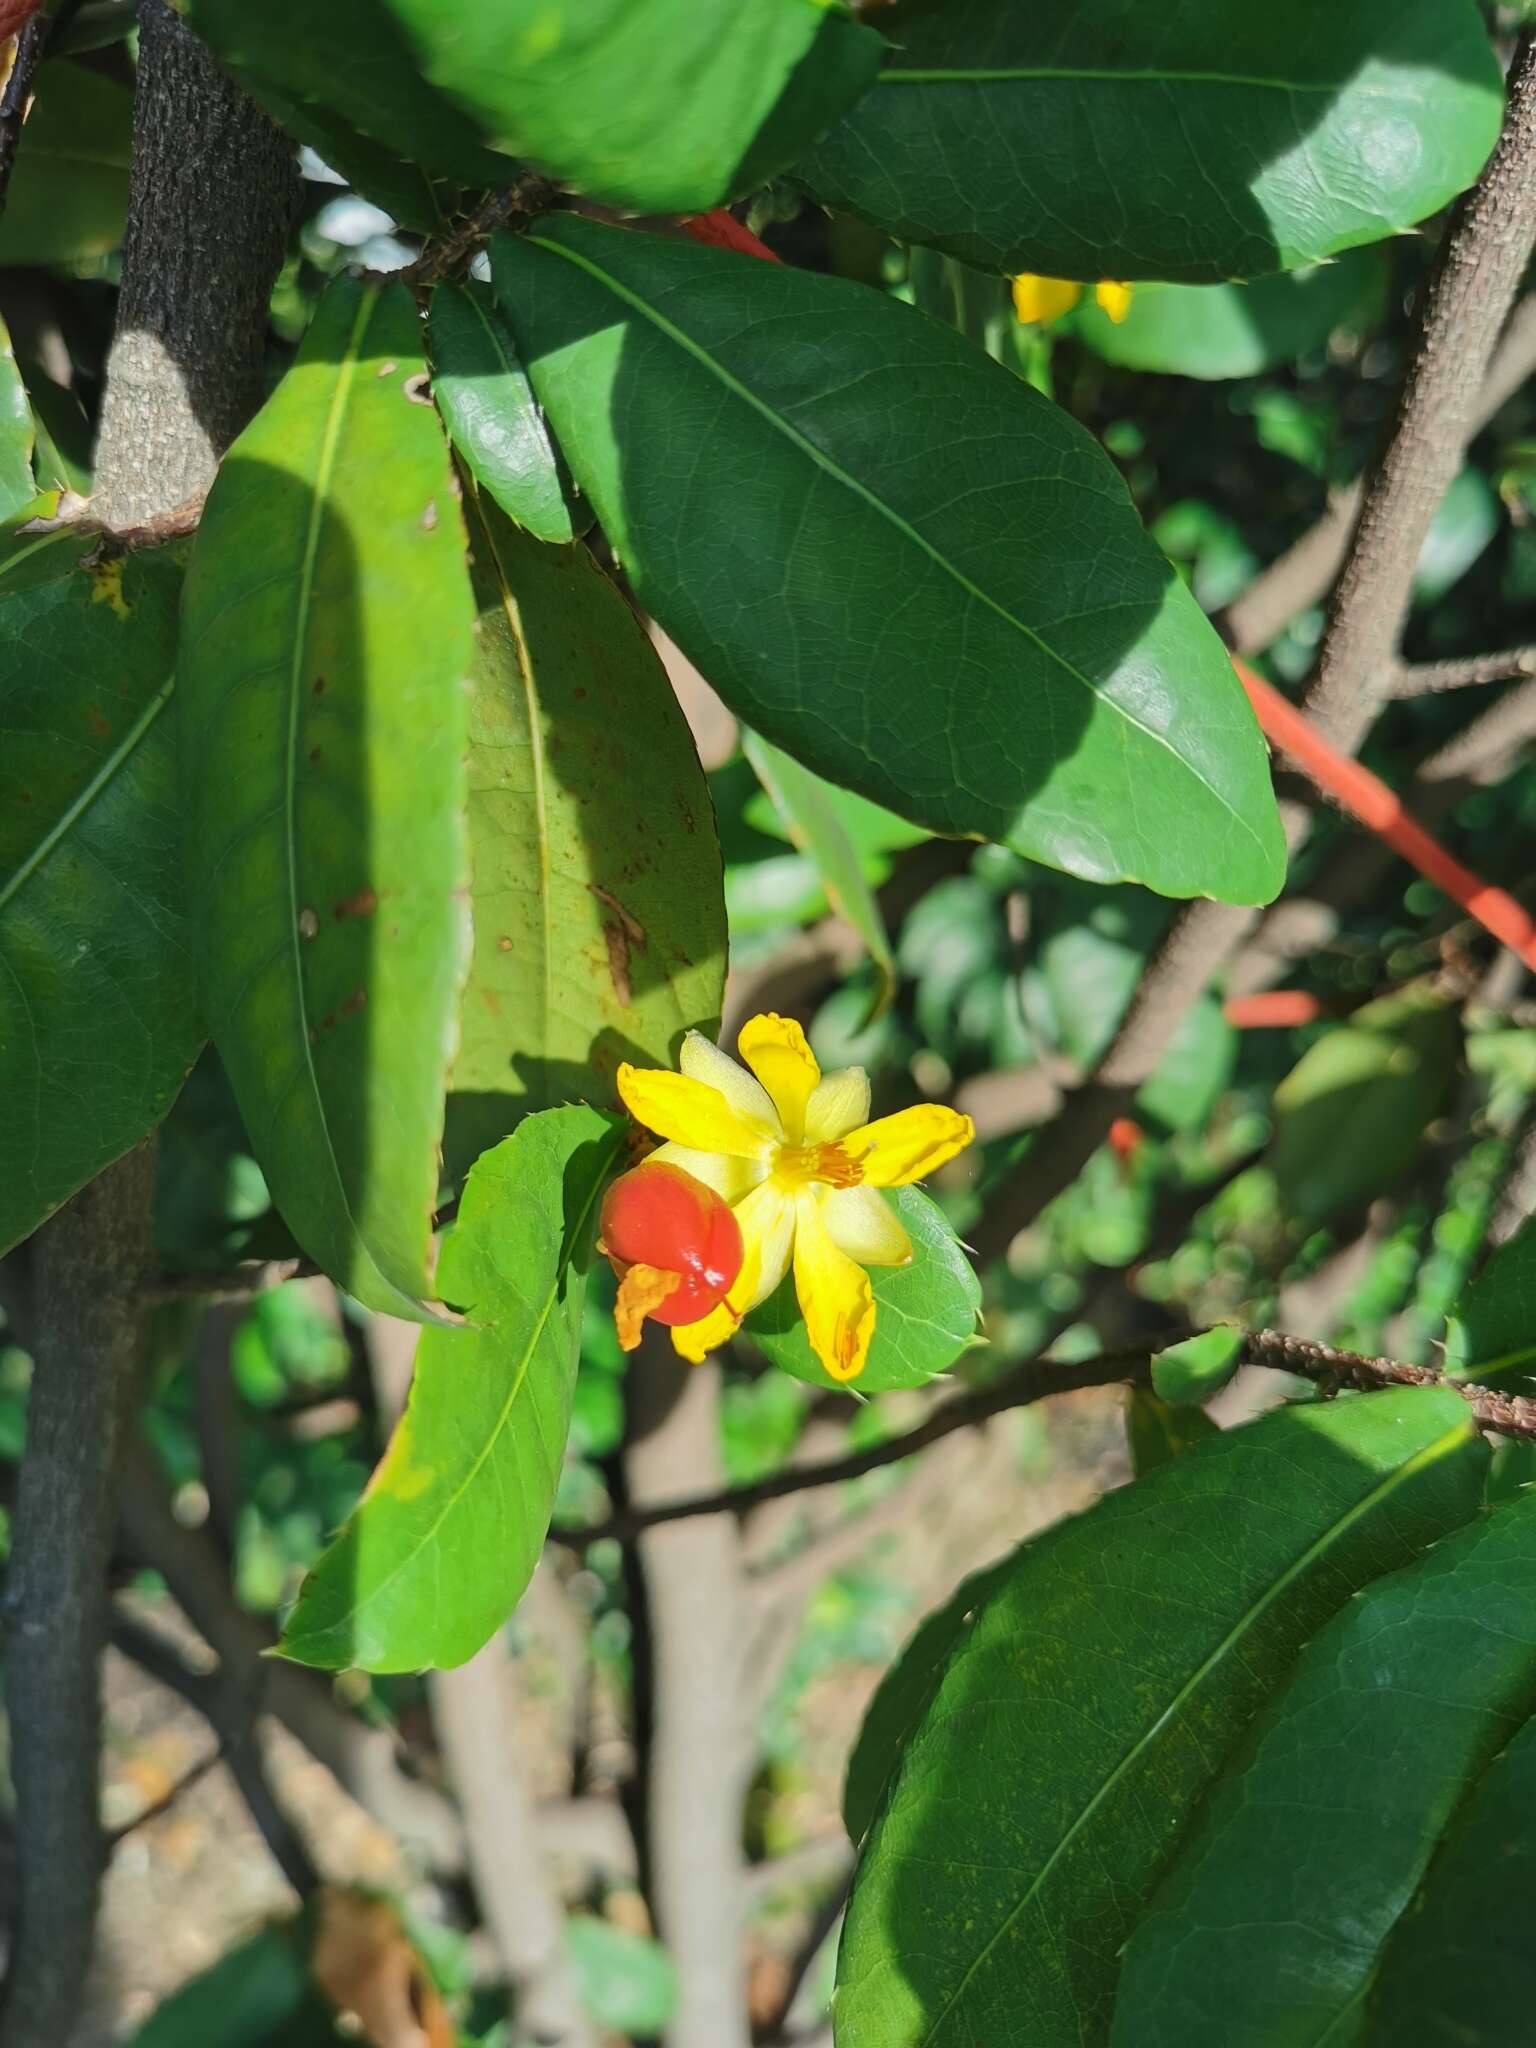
[(674, 1244)]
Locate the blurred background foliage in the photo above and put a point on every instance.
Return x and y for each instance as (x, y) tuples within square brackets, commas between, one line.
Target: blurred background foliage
[(1353, 1162)]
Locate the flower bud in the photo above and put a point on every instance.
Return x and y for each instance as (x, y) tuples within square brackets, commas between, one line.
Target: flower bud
[(674, 1244)]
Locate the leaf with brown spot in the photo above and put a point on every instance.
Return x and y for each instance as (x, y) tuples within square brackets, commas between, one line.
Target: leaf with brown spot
[(599, 917), (365, 1964)]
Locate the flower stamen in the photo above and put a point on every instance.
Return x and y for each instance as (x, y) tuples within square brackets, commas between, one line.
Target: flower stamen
[(831, 1165)]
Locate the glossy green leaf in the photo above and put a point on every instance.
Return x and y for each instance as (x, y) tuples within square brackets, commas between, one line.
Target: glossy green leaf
[(68, 195), (1196, 1370), (598, 909), (804, 802), (1157, 1432), (98, 1022), (1094, 1697), (902, 1697), (918, 615), (1352, 1112), (1465, 522), (492, 416), (1460, 1966), (17, 488), (1493, 1331), (1237, 330), (587, 90), (327, 637), (445, 1540), (925, 1312), (64, 434), (1270, 1925), (1199, 143)]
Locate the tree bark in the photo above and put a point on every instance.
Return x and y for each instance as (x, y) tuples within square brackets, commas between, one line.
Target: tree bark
[(212, 193)]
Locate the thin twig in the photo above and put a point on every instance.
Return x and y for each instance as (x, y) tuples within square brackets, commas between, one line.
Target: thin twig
[(1427, 678), (16, 97), (158, 1808), (1038, 1379)]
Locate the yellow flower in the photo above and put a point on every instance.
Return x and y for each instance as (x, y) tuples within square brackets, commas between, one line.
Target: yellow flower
[(792, 1150), (1037, 300)]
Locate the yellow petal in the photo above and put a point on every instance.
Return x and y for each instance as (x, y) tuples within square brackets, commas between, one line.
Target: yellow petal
[(862, 1223), (1114, 298), (691, 1113), (896, 1150), (839, 1101), (834, 1294), (775, 1049), (1038, 299), (730, 1178), (767, 1221), (702, 1060)]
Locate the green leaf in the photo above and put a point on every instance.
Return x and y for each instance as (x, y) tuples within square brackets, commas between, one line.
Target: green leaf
[(963, 620), (17, 488), (98, 1023), (68, 196), (257, 1996), (1195, 1371), (1094, 1697), (902, 1697), (446, 1537), (1493, 1330), (1352, 1112), (1270, 1926), (1465, 522), (1237, 330), (326, 639), (587, 90), (804, 802), (492, 416), (1197, 143), (925, 1312), (598, 908), (627, 1981), (1193, 1073), (1460, 1967), (1157, 1433)]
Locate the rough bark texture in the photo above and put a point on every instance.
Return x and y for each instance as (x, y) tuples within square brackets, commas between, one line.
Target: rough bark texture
[(700, 1757), (214, 188), (88, 1264), (1467, 302)]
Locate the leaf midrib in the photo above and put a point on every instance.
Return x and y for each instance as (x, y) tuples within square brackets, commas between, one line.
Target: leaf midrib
[(493, 1435), (893, 518), (1318, 1547), (1090, 74), (73, 812)]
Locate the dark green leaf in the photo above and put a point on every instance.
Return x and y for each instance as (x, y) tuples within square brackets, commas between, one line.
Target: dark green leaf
[(1237, 330), (1493, 1331), (64, 434), (327, 637), (446, 1538), (1270, 1926), (17, 488), (1193, 1073), (915, 614), (257, 1996), (1199, 142), (805, 803), (68, 195), (1158, 1433), (1196, 1370), (902, 1697), (1460, 1967), (1465, 521), (98, 1024), (598, 910), (1094, 1697), (626, 1980), (1352, 1112), (588, 90), (925, 1312), (492, 416)]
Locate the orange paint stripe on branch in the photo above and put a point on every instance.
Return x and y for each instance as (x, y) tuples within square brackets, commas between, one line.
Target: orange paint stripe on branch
[(1271, 1009), (722, 230), (1368, 800)]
